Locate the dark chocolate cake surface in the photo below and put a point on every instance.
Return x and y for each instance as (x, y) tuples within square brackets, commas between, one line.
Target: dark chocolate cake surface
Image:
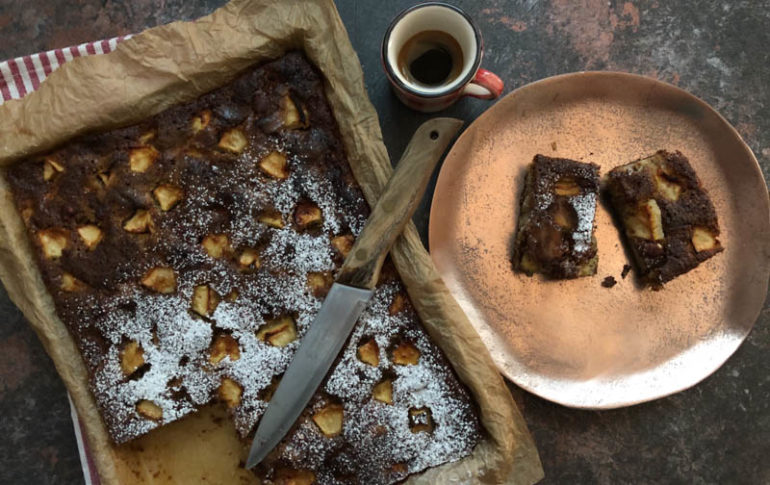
[(555, 234), (668, 218), (188, 254)]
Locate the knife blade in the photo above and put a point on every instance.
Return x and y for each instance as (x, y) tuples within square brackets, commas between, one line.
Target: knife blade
[(354, 286)]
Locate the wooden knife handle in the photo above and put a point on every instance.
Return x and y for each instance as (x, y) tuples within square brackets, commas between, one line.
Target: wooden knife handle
[(398, 202)]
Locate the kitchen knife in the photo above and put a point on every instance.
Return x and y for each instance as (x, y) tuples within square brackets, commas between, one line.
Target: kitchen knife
[(354, 285)]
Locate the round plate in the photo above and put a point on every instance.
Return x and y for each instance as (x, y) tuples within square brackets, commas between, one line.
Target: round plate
[(573, 341)]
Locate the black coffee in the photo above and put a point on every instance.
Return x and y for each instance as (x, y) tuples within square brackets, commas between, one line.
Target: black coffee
[(431, 58)]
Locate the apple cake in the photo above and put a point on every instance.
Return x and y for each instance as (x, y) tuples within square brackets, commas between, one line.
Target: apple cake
[(668, 219), (189, 253), (555, 235)]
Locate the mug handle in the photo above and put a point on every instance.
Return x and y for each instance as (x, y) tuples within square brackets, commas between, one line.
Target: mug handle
[(484, 85)]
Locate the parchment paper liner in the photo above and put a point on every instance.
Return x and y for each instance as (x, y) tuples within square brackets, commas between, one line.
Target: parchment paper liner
[(177, 62)]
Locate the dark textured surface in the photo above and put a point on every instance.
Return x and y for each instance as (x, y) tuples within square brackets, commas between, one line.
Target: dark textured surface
[(717, 432)]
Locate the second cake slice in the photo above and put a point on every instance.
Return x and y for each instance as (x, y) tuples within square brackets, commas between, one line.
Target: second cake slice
[(668, 218), (555, 235)]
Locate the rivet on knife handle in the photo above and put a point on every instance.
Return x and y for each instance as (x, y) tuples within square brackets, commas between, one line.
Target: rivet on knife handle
[(397, 202)]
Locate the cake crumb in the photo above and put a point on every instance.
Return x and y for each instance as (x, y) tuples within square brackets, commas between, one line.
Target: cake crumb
[(609, 282), (626, 270)]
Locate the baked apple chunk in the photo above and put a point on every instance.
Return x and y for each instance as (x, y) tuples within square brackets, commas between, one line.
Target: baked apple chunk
[(167, 196), (405, 353), (53, 242), (141, 159), (161, 280), (249, 259), (224, 345), (271, 218), (51, 167), (274, 164), (233, 141), (383, 391), (369, 353), (91, 235), (329, 419), (139, 223), (320, 283), (131, 358), (292, 116), (230, 392), (278, 332), (71, 284), (343, 244), (205, 300), (149, 410), (308, 215), (201, 121), (216, 245)]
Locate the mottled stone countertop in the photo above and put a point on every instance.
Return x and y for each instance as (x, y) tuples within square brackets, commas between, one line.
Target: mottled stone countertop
[(718, 432)]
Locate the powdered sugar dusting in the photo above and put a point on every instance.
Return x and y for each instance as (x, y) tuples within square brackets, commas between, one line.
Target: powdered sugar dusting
[(299, 252), (585, 208), (166, 332)]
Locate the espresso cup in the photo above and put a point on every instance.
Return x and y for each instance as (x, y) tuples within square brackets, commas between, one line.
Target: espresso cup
[(418, 77)]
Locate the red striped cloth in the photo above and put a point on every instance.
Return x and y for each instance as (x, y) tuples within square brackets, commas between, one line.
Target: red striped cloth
[(23, 75)]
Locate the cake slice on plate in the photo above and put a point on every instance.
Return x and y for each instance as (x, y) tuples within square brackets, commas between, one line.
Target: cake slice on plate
[(555, 235), (668, 219)]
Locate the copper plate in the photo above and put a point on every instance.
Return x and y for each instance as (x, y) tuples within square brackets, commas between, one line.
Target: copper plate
[(575, 342)]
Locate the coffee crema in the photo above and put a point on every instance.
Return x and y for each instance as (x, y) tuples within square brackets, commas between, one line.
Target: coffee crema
[(431, 59)]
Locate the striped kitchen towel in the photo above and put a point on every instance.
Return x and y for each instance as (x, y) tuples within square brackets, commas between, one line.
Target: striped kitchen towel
[(21, 76), (24, 74)]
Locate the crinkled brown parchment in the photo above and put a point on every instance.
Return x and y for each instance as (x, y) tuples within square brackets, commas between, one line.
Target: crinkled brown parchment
[(178, 62)]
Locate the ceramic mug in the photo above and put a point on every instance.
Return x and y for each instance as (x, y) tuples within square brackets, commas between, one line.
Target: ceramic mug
[(471, 79)]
